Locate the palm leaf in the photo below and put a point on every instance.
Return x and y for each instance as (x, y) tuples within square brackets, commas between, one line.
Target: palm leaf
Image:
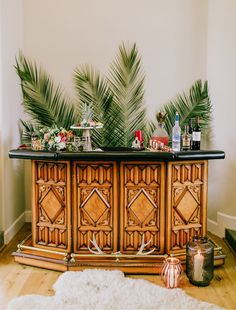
[(43, 101), (189, 105), (27, 128), (94, 92), (127, 84)]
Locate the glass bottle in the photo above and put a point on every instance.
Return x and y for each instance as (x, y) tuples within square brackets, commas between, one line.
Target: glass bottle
[(176, 134), (160, 135), (190, 130), (171, 272), (186, 139), (199, 261), (196, 136)]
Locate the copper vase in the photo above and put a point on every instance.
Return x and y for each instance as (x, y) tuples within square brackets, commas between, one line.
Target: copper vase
[(172, 272)]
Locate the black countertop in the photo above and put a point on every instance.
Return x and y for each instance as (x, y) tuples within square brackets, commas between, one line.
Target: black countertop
[(117, 154)]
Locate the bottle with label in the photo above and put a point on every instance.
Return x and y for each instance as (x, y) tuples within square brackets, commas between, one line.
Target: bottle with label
[(176, 134), (190, 130), (186, 139), (196, 136)]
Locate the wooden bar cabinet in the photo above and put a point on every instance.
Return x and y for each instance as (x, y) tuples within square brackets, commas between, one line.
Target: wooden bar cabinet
[(115, 209)]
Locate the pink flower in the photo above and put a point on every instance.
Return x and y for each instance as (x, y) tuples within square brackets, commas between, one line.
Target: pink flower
[(46, 136)]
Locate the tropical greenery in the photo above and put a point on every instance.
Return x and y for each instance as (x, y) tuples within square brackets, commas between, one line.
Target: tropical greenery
[(117, 100), (195, 102)]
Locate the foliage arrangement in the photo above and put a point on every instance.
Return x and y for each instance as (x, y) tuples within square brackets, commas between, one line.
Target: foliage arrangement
[(195, 102), (117, 101), (54, 138)]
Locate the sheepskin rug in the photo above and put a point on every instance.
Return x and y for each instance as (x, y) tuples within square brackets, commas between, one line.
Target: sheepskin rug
[(104, 289)]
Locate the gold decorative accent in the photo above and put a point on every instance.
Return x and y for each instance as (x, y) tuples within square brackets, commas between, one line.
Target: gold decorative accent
[(27, 247)]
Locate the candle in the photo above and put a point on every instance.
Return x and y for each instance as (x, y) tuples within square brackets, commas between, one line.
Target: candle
[(172, 277), (138, 134), (198, 267)]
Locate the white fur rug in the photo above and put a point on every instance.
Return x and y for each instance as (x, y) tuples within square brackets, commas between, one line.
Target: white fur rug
[(103, 289)]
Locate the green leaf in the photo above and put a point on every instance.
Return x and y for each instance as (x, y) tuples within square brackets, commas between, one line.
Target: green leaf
[(127, 84), (44, 102), (94, 92), (195, 102)]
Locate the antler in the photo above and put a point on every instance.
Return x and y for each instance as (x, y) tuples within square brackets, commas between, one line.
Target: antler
[(99, 251), (143, 245), (94, 242)]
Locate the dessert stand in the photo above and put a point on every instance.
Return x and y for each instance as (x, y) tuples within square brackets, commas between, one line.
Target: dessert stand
[(86, 134)]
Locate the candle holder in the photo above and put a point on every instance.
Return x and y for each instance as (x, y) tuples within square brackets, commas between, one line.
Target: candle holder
[(199, 261), (172, 272)]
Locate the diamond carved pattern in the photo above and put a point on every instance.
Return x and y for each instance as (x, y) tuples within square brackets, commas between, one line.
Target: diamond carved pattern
[(95, 206), (186, 206), (142, 206), (51, 205)]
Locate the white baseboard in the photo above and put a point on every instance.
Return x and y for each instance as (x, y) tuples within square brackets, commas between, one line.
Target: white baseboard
[(14, 228), (223, 221), (28, 216)]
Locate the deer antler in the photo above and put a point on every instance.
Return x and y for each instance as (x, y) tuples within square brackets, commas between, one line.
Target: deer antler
[(94, 242), (143, 245), (99, 251)]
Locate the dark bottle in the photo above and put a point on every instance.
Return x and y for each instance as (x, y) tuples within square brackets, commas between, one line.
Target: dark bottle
[(196, 135), (190, 131)]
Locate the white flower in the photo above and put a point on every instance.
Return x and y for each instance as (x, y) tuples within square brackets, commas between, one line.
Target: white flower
[(58, 139), (50, 142), (61, 146)]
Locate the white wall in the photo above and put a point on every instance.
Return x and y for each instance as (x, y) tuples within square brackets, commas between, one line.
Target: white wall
[(11, 172), (221, 73), (170, 35)]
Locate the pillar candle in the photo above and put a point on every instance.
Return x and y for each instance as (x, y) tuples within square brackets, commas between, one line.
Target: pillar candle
[(198, 267)]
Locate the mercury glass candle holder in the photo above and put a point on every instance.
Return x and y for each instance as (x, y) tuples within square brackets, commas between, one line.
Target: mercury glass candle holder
[(171, 272), (199, 261)]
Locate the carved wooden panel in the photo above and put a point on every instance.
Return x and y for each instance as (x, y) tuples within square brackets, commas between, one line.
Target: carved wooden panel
[(51, 205), (186, 203), (142, 206), (95, 206)]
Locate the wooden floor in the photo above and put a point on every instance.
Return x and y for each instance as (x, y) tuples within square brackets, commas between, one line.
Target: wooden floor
[(17, 280)]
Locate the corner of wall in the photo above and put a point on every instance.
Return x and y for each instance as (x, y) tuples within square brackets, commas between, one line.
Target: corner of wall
[(223, 221), (14, 228)]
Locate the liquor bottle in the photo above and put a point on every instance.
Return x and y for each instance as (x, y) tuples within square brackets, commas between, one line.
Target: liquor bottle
[(190, 131), (196, 137), (186, 139), (176, 134)]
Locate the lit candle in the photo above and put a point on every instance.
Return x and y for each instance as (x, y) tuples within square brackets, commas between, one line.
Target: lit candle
[(198, 267)]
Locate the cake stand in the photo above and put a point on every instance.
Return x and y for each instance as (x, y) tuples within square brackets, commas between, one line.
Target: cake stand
[(86, 134)]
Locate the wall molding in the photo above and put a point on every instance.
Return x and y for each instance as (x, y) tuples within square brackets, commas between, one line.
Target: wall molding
[(223, 221), (28, 216), (25, 217), (10, 232)]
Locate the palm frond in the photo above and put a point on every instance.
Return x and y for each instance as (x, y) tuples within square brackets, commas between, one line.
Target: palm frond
[(127, 84), (195, 102), (27, 128), (44, 102), (93, 92)]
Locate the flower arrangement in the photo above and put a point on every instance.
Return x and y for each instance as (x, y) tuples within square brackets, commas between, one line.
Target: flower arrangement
[(55, 139)]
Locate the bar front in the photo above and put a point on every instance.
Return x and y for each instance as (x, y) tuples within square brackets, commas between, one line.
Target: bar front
[(115, 209)]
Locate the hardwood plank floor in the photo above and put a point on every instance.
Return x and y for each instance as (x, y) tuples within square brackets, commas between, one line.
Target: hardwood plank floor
[(17, 280)]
